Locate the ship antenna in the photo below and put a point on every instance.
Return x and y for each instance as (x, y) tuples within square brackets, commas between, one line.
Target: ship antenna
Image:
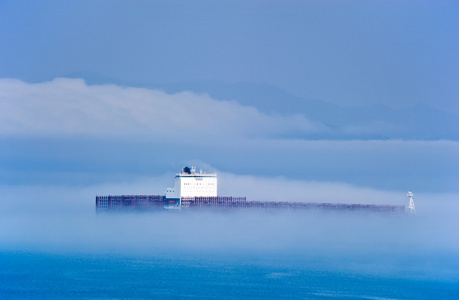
[(411, 208)]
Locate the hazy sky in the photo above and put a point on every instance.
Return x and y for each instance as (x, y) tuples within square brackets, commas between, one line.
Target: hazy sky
[(64, 131), (347, 52)]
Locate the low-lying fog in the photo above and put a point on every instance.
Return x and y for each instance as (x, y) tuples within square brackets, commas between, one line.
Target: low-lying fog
[(63, 220)]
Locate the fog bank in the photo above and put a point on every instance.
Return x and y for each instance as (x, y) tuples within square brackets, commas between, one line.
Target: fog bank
[(49, 218)]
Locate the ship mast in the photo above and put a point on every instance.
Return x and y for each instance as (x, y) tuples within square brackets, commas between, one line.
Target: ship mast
[(411, 208)]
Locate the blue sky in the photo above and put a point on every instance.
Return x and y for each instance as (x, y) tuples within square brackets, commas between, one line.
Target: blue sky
[(346, 52), (342, 92)]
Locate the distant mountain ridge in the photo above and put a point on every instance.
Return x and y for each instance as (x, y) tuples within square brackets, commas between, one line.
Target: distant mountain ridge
[(378, 121)]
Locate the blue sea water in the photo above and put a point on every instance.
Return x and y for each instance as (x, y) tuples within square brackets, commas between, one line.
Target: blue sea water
[(35, 275)]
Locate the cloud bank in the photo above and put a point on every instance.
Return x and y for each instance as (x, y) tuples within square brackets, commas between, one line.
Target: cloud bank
[(68, 131), (71, 107)]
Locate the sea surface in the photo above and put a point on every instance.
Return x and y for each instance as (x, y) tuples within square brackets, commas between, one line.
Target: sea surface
[(26, 275)]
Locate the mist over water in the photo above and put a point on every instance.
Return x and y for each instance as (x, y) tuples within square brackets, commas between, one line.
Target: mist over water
[(63, 221)]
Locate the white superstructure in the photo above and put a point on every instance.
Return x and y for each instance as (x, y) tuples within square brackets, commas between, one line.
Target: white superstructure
[(190, 183)]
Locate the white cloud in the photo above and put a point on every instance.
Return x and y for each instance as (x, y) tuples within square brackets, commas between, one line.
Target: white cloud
[(71, 107)]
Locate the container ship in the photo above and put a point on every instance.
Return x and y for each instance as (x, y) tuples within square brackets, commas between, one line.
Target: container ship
[(198, 190)]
